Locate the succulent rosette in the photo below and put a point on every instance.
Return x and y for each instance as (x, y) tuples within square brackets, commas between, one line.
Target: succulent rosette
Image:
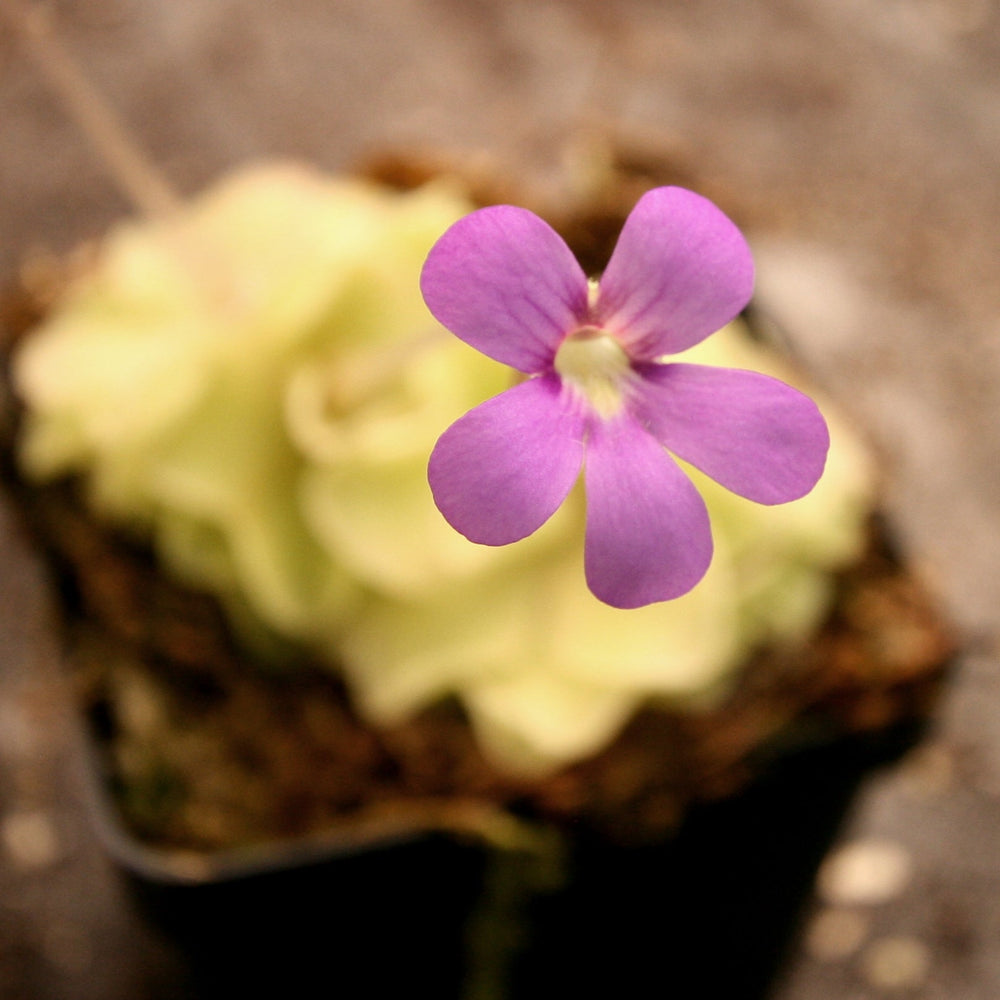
[(255, 385)]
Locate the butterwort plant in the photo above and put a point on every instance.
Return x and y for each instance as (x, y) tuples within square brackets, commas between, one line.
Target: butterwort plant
[(600, 391), (285, 384)]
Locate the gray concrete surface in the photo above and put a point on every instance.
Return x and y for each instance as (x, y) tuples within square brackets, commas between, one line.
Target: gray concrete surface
[(859, 143)]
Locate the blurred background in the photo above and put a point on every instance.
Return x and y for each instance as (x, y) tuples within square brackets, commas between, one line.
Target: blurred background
[(857, 142)]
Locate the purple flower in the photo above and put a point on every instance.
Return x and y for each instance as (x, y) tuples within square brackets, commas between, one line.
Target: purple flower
[(599, 396)]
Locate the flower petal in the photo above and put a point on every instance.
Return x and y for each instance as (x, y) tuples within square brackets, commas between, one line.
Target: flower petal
[(648, 536), (752, 433), (680, 271), (499, 472), (504, 281)]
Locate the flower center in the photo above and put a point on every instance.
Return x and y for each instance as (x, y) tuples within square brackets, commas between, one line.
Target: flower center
[(595, 365)]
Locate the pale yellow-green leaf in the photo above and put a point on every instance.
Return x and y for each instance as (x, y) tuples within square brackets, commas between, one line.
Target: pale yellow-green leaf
[(532, 723)]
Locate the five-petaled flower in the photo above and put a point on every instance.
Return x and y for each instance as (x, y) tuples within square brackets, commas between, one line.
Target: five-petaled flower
[(599, 394)]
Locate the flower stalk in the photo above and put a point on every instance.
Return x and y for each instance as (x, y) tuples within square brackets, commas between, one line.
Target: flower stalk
[(135, 174)]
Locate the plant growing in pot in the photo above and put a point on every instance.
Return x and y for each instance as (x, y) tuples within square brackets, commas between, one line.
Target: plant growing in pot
[(220, 427), (307, 691)]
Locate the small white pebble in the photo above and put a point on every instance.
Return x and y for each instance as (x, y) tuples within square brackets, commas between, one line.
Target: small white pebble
[(29, 839), (835, 934), (864, 873), (896, 963)]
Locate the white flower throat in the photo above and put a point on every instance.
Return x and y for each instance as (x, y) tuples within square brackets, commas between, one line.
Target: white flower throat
[(594, 364)]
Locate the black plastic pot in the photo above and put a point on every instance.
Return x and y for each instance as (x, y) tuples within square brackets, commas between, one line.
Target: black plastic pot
[(709, 911)]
